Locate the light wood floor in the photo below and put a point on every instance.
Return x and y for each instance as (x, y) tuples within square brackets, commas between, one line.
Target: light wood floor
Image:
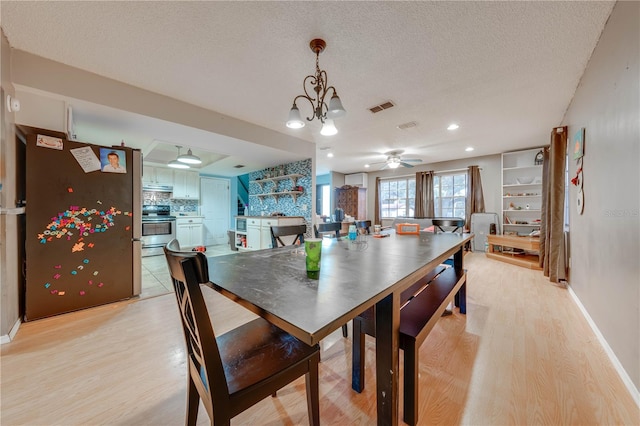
[(523, 355)]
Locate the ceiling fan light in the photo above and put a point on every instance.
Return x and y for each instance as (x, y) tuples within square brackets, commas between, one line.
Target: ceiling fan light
[(336, 110), (295, 120), (328, 128), (175, 164), (189, 158), (393, 165)]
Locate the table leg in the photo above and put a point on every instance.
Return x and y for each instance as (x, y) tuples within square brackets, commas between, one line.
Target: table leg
[(460, 299), (387, 364)]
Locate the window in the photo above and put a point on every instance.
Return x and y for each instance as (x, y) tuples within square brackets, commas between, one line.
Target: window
[(323, 200), (397, 197), (450, 195)]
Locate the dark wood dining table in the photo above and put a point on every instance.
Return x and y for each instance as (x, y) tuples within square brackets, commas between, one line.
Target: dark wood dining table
[(354, 276)]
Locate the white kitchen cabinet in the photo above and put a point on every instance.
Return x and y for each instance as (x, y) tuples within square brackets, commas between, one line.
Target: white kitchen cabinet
[(265, 232), (253, 237), (186, 184), (258, 234), (153, 175), (190, 231)]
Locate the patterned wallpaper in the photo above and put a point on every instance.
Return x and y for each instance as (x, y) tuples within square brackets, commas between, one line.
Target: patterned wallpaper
[(285, 203)]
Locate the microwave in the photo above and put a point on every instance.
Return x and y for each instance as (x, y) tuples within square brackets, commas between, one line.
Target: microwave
[(241, 224)]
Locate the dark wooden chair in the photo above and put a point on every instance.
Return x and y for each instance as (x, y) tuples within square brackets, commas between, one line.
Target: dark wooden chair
[(364, 224), (453, 224), (234, 371), (326, 228), (287, 230)]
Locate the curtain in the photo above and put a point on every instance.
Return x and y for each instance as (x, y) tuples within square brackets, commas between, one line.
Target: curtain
[(376, 201), (424, 194), (475, 197), (552, 216)]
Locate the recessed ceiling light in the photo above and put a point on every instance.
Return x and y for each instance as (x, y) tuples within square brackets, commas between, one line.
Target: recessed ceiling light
[(452, 126), (469, 149), (366, 166), (330, 154)]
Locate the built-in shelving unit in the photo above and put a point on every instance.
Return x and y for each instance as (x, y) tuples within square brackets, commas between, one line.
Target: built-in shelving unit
[(521, 191), (277, 195), (274, 181)]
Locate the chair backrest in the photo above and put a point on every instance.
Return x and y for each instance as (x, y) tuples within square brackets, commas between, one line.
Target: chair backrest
[(173, 247), (188, 270), (364, 224), (320, 228), (455, 223), (283, 231)]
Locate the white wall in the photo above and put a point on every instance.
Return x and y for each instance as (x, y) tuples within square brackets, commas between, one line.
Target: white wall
[(605, 239)]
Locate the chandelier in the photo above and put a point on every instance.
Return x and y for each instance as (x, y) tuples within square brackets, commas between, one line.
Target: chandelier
[(318, 83)]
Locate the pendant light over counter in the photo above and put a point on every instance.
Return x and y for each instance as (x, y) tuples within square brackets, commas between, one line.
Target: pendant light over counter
[(183, 161)]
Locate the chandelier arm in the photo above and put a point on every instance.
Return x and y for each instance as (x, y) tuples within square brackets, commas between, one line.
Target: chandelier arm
[(305, 96)]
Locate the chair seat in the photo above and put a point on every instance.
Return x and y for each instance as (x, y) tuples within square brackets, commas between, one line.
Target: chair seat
[(256, 351)]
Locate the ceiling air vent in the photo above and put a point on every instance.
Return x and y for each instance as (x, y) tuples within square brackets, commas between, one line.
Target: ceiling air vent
[(408, 125), (381, 107)]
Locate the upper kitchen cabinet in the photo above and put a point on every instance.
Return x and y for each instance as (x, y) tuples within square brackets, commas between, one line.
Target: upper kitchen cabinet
[(157, 176), (186, 184)]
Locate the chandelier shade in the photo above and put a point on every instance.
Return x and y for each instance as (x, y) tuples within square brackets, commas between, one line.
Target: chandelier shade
[(295, 120), (317, 85), (328, 128)]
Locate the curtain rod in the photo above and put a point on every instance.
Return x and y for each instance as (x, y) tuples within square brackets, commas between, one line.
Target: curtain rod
[(435, 172)]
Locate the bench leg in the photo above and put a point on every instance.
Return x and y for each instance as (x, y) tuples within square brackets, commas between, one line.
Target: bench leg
[(410, 415), (357, 356)]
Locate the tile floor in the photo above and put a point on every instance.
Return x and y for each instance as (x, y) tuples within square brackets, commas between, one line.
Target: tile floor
[(155, 273)]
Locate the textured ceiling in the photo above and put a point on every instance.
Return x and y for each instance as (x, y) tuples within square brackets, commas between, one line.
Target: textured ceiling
[(505, 71)]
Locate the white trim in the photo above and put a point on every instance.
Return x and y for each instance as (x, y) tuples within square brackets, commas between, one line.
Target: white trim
[(7, 338), (635, 394)]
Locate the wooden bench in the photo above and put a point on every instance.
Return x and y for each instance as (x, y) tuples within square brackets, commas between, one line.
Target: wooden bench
[(421, 305)]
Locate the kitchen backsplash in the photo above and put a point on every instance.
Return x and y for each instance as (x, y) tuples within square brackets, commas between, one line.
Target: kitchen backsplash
[(164, 198)]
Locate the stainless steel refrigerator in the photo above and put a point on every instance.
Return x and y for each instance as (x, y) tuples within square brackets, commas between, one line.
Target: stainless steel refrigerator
[(83, 225)]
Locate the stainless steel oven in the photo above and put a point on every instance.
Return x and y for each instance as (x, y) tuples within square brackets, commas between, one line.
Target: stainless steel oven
[(158, 228)]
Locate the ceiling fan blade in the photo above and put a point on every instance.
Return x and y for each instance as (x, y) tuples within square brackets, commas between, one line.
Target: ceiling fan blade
[(403, 164), (386, 166), (412, 160)]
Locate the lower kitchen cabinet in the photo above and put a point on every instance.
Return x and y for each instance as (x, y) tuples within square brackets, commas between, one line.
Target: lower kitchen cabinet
[(258, 233), (190, 231)]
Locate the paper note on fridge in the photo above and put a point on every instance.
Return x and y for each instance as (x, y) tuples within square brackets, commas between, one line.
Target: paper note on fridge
[(87, 159), (49, 142)]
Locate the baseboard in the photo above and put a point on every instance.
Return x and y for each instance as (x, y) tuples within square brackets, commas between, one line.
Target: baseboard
[(635, 394), (6, 338)]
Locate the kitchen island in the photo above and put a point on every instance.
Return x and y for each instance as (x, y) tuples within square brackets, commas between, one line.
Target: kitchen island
[(254, 232)]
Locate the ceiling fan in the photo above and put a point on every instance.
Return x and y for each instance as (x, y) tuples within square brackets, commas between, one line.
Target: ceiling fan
[(395, 160)]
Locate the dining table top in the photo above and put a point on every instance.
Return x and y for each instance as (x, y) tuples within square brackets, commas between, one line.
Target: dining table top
[(354, 275)]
